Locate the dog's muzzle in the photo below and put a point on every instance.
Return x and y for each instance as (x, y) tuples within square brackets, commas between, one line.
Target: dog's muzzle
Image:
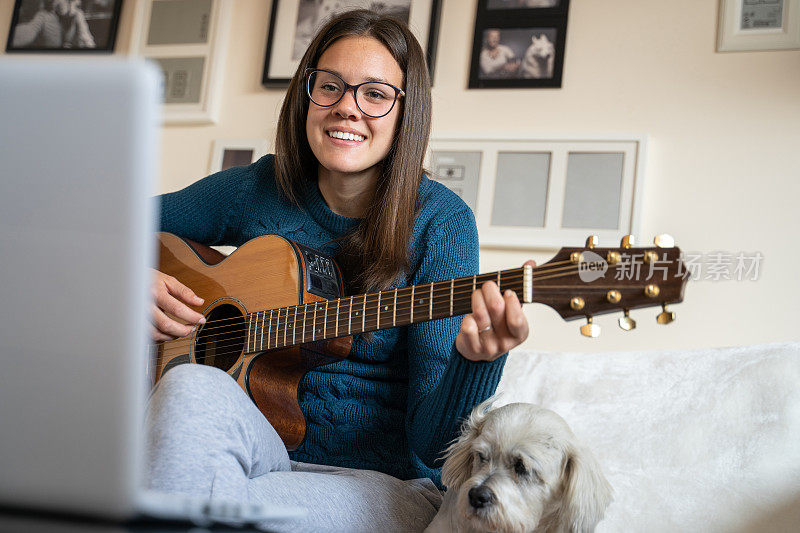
[(480, 497)]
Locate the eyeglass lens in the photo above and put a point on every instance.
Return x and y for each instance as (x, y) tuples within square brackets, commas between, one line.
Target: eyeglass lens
[(374, 99)]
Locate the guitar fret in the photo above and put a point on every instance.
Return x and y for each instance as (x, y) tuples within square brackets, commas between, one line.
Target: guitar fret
[(338, 301), (474, 277), (350, 318), (394, 309), (411, 318), (269, 329), (430, 304), (378, 325), (498, 279), (452, 283), (364, 315), (263, 323), (285, 326), (314, 325)]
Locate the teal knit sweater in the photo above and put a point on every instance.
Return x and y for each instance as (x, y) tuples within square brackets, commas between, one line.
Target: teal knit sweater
[(396, 402)]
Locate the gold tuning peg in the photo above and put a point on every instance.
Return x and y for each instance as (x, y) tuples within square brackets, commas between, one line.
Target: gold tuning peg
[(626, 322), (665, 317), (664, 241), (627, 241), (592, 241), (589, 329)]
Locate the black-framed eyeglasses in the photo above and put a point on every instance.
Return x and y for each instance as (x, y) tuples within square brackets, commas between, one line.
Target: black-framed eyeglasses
[(374, 98)]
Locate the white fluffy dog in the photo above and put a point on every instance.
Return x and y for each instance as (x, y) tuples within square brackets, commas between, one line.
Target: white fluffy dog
[(539, 58), (520, 468)]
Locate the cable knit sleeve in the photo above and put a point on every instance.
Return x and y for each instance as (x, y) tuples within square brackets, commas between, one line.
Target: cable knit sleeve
[(208, 211), (443, 385)]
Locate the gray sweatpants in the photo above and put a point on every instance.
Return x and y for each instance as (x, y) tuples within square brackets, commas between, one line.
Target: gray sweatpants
[(207, 438)]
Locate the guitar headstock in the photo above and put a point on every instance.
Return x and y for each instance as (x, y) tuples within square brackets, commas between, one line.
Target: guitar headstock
[(589, 281)]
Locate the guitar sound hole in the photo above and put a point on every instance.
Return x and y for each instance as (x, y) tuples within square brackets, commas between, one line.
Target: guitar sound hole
[(220, 340)]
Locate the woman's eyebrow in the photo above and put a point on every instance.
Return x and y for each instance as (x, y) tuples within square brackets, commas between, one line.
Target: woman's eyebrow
[(366, 80)]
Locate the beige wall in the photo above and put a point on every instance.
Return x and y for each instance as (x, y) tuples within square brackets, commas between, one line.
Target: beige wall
[(723, 169)]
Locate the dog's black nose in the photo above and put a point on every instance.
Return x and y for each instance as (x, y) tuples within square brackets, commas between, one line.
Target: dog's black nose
[(480, 496)]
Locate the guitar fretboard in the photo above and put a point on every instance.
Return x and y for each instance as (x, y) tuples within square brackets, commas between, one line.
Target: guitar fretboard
[(351, 315)]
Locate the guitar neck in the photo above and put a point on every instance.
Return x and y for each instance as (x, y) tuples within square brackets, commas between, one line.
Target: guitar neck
[(328, 319)]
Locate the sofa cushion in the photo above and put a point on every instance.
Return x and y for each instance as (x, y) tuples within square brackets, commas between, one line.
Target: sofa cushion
[(705, 439)]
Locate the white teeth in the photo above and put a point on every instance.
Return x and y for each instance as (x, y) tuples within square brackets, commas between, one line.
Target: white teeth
[(345, 136)]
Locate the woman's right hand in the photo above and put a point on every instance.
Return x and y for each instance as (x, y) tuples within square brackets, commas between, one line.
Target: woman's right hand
[(171, 300)]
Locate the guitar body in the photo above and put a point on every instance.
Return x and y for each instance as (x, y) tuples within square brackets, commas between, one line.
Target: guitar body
[(266, 273)]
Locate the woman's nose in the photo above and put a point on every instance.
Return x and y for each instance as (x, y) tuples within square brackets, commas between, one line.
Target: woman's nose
[(346, 107)]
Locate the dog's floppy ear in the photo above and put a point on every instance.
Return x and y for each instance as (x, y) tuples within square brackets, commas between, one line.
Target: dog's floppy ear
[(587, 493), (458, 461)]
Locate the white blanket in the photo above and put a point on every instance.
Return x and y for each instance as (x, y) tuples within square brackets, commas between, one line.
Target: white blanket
[(701, 440)]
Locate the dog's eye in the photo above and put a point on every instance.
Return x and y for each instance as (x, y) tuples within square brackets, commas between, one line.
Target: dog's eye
[(519, 468), (481, 457)]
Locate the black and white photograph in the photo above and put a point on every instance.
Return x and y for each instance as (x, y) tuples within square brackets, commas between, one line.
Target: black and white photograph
[(312, 14), (518, 53), (522, 48), (293, 23), (64, 26), (522, 4)]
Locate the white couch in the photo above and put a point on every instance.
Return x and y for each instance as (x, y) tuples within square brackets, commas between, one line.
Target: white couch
[(691, 440)]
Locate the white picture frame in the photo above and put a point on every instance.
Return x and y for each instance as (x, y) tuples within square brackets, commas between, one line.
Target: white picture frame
[(193, 69), (249, 151), (750, 25), (558, 201)]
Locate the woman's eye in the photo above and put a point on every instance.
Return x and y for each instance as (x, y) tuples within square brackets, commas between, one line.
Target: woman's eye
[(519, 468), (329, 87), (374, 95)]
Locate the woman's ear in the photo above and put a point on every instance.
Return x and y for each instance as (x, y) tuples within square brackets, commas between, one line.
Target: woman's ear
[(587, 493)]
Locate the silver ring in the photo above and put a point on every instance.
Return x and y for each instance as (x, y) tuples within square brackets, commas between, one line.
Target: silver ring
[(487, 328)]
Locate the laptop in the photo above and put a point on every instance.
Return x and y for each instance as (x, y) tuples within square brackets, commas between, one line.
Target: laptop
[(78, 164)]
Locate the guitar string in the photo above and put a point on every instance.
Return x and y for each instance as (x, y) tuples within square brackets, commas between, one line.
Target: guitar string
[(372, 310), (357, 300), (185, 342), (443, 289), (303, 334), (241, 323)]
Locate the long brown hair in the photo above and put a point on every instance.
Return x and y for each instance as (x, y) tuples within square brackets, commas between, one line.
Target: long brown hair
[(377, 251)]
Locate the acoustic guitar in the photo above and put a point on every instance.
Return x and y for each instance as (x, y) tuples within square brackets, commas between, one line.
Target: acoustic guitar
[(275, 308)]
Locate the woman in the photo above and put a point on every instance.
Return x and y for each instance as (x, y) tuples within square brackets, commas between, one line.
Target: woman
[(347, 179)]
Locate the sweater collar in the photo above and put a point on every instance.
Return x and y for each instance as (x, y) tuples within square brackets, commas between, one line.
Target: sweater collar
[(315, 203)]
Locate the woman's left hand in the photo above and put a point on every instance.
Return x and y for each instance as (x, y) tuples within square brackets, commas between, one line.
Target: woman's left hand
[(496, 324)]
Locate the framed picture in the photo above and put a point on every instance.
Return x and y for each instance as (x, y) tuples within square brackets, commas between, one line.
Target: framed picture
[(746, 25), (187, 40), (64, 26), (519, 44), (229, 153), (293, 24), (544, 193)]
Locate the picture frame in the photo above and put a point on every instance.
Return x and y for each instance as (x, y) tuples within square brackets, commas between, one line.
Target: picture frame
[(546, 192), (754, 25), (229, 153), (294, 22), (58, 26), (519, 44), (187, 39)]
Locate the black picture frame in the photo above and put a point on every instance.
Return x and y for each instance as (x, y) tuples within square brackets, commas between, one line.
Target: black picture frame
[(273, 80), (33, 30), (529, 44)]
